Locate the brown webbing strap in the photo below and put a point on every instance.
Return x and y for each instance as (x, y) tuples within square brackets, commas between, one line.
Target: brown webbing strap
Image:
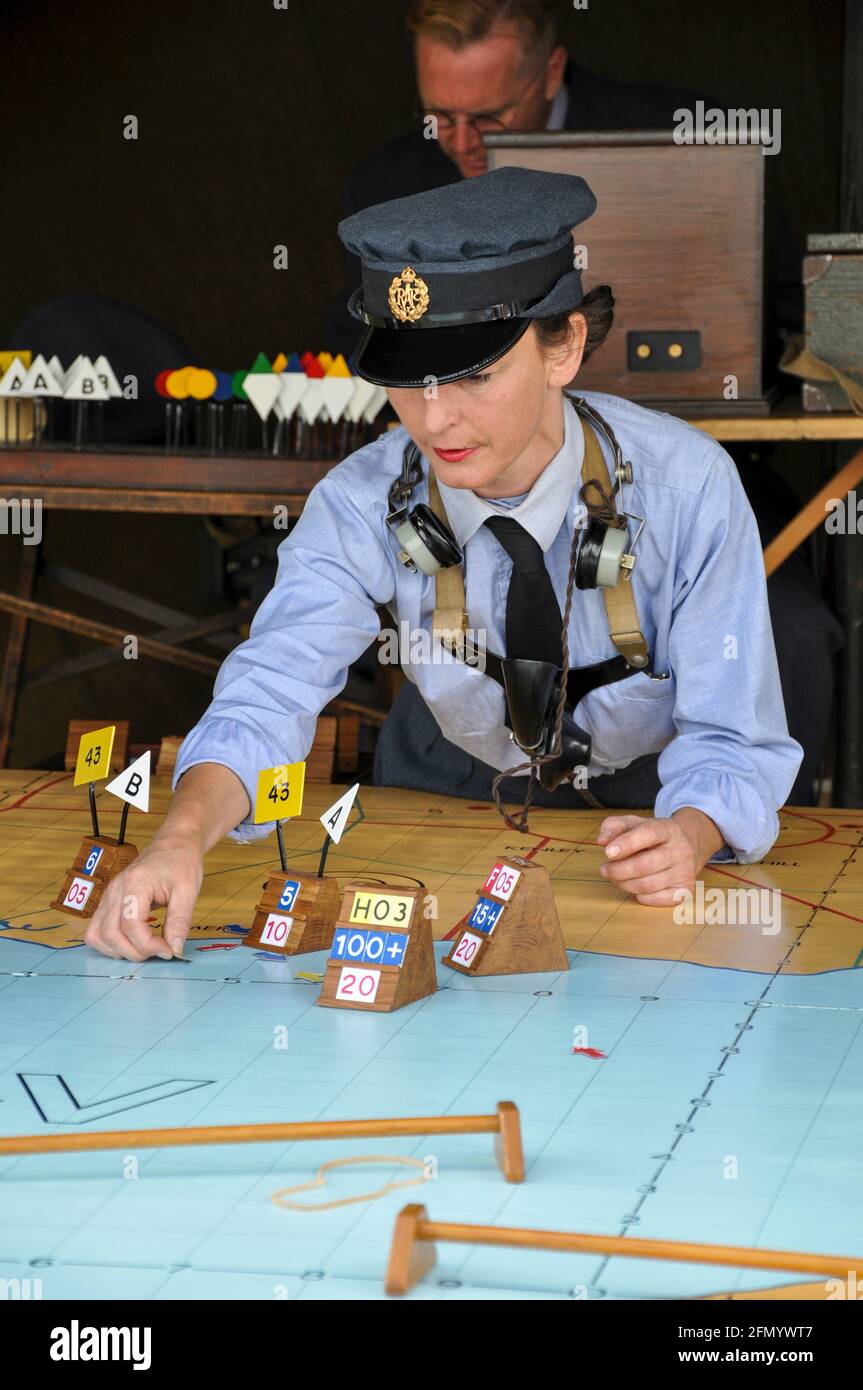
[(449, 623), (619, 602)]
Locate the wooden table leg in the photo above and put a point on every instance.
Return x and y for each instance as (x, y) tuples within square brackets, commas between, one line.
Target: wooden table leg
[(9, 681), (814, 514)]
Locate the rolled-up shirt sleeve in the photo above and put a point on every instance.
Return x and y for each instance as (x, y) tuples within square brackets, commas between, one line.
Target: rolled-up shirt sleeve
[(334, 571), (732, 756)]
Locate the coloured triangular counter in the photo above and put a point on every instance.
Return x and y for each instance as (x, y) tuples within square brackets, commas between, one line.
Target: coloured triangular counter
[(293, 388), (513, 928)]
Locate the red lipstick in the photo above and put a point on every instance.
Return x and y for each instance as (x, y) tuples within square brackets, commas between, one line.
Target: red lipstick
[(455, 455)]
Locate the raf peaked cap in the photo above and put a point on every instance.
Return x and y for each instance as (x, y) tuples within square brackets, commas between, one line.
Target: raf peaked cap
[(453, 277)]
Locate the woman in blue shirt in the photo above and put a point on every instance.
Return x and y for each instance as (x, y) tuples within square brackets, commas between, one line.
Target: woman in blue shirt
[(475, 321)]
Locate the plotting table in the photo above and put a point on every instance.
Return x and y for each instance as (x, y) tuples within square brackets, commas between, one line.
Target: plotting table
[(727, 1108)]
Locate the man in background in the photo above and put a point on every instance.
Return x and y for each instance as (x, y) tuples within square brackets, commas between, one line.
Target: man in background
[(486, 66)]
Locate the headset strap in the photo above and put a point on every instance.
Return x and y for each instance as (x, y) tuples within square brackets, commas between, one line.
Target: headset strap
[(450, 620), (620, 607), (449, 623)]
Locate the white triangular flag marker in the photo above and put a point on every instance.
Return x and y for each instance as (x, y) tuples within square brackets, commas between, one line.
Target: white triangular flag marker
[(105, 372), (72, 368), (292, 389), (133, 785), (82, 383), (41, 380), (13, 378), (312, 400), (336, 391), (262, 389), (373, 408), (363, 392), (335, 819), (57, 368)]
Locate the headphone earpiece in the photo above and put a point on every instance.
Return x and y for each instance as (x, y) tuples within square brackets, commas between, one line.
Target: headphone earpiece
[(600, 555), (426, 541)]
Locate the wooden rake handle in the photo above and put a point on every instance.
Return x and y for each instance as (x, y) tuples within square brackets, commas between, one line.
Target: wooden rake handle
[(504, 1124), (412, 1253)]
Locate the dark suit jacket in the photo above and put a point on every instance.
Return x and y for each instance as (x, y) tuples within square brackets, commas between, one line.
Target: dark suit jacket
[(413, 164)]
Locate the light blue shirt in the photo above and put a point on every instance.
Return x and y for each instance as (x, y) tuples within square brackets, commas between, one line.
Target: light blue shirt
[(559, 108), (718, 721)]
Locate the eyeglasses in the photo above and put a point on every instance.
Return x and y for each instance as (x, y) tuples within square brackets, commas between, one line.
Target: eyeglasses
[(481, 122)]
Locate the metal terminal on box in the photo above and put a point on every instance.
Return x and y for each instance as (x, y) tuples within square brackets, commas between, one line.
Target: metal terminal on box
[(663, 351)]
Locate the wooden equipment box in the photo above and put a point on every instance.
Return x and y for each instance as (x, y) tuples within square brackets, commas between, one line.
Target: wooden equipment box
[(678, 234), (833, 283)]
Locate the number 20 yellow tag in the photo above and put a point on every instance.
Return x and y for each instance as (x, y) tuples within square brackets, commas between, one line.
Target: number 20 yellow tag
[(280, 792)]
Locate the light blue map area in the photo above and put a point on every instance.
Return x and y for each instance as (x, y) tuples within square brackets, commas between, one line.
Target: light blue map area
[(726, 1111)]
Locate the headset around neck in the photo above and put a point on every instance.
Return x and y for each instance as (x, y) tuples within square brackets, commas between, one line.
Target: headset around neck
[(427, 544)]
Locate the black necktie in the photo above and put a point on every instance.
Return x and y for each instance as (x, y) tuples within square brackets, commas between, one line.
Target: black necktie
[(533, 619)]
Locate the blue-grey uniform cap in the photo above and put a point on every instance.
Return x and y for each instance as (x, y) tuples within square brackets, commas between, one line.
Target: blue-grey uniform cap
[(453, 277)]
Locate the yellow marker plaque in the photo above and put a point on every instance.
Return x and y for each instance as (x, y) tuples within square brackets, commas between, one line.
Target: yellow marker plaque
[(381, 909), (280, 792), (94, 755)]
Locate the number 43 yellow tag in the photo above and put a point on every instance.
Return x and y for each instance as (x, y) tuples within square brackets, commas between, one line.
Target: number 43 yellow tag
[(280, 792), (94, 755)]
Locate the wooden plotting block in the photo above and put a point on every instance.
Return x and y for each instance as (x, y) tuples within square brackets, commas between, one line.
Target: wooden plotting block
[(513, 928), (78, 727), (382, 956), (297, 912), (96, 863), (321, 755), (168, 750), (319, 764), (348, 744)]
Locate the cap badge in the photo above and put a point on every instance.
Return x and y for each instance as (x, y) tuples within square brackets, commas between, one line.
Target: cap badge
[(408, 296)]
